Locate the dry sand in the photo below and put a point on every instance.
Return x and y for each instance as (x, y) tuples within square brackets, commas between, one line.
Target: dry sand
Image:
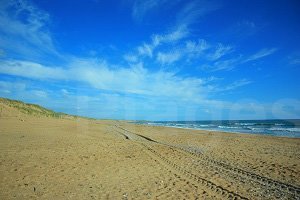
[(49, 158)]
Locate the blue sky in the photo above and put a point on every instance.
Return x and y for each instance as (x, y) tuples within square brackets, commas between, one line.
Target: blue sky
[(153, 59)]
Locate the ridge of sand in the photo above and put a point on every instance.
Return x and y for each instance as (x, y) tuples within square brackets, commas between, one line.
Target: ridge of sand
[(44, 157)]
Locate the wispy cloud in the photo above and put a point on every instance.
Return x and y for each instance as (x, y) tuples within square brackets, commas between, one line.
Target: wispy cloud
[(193, 10), (22, 90), (196, 47), (28, 37), (178, 33), (226, 65), (191, 49), (236, 84), (147, 49), (194, 50), (39, 93), (168, 58), (262, 53), (131, 58), (100, 75), (117, 105), (295, 61), (294, 58), (219, 52), (142, 7), (29, 69), (231, 63), (10, 87), (134, 80)]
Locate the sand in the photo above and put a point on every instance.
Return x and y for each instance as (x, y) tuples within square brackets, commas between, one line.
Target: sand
[(51, 158)]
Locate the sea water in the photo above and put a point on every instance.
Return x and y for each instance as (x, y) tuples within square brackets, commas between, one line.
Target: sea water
[(284, 128)]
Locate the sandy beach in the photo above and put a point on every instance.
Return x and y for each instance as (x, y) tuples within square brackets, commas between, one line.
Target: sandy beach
[(75, 158)]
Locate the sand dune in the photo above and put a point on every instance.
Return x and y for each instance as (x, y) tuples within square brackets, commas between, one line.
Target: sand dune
[(50, 156)]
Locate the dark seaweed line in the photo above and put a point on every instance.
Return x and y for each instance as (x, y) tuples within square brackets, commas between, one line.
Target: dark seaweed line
[(284, 187)]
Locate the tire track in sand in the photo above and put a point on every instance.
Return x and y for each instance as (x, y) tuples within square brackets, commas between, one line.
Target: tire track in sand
[(271, 187), (166, 189), (276, 188), (219, 191)]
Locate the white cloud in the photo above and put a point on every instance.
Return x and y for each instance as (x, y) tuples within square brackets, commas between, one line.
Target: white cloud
[(152, 87), (26, 37), (295, 61), (31, 70), (196, 47), (168, 58), (98, 74), (231, 63), (141, 7), (190, 12), (262, 53), (191, 50), (65, 92), (220, 51), (9, 87), (236, 84), (226, 65), (147, 49), (195, 9), (39, 93), (177, 34), (19, 89), (119, 106), (294, 58), (130, 58)]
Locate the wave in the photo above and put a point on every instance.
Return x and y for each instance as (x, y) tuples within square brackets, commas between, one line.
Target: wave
[(276, 128), (285, 129), (229, 127), (278, 124), (245, 124)]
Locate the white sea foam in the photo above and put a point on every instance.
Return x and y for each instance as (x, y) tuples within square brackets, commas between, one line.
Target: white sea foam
[(259, 127), (285, 129), (228, 127), (245, 124)]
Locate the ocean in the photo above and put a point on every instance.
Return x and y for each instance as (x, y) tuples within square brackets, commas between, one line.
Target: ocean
[(282, 128)]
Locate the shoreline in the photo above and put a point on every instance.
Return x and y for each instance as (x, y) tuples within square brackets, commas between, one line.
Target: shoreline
[(242, 133), (216, 132), (222, 131)]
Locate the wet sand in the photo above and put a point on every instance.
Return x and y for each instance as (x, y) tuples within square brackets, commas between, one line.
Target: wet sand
[(50, 158)]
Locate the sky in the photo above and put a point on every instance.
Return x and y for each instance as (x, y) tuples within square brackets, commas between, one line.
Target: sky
[(153, 59)]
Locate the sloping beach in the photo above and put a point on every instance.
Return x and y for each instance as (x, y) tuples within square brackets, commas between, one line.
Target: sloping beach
[(49, 156)]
